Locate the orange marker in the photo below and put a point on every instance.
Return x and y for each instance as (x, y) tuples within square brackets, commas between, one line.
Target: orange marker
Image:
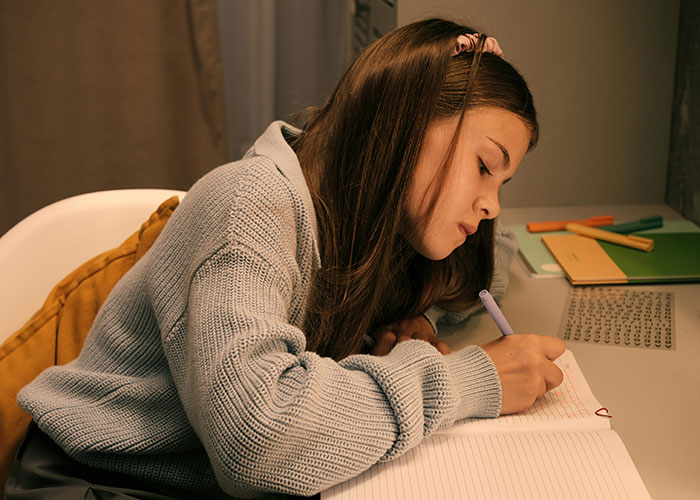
[(560, 225)]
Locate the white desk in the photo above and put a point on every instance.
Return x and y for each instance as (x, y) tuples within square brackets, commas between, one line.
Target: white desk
[(653, 395)]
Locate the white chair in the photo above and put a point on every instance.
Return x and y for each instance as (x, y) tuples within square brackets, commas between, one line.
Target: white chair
[(44, 247)]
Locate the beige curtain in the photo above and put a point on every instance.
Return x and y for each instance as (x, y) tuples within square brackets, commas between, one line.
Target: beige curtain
[(279, 56), (106, 94)]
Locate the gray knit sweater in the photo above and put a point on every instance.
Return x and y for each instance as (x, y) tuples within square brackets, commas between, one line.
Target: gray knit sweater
[(195, 375)]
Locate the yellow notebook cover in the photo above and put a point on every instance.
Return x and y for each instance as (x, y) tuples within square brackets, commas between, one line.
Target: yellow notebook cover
[(583, 260)]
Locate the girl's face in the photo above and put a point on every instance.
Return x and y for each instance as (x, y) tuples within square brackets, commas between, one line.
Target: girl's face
[(490, 146)]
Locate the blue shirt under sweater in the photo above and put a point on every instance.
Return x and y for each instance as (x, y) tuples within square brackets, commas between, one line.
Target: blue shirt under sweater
[(195, 375)]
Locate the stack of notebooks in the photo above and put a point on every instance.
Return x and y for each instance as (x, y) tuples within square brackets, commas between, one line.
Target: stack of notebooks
[(561, 447), (586, 261)]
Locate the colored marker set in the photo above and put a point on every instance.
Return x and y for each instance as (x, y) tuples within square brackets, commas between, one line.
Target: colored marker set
[(612, 233)]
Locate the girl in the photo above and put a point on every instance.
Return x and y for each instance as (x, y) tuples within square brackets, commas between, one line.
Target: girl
[(228, 362)]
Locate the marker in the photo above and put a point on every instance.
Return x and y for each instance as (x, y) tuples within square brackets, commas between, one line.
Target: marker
[(651, 222), (560, 225), (495, 312), (632, 241)]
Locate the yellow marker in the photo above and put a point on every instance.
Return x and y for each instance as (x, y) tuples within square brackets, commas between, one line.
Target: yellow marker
[(632, 241)]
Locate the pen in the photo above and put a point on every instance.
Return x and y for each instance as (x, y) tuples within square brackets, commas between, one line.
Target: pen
[(631, 241), (495, 312), (560, 225)]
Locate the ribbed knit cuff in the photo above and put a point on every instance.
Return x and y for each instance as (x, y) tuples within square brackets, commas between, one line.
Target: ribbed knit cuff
[(477, 383)]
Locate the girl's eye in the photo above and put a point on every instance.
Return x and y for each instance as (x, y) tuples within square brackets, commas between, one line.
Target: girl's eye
[(483, 169)]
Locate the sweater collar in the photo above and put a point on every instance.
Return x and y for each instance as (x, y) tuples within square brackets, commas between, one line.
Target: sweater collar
[(274, 146)]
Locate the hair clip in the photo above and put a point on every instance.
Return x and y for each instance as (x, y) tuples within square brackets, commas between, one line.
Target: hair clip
[(468, 43)]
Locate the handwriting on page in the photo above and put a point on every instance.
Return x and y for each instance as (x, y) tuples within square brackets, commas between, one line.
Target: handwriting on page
[(571, 406), (565, 401)]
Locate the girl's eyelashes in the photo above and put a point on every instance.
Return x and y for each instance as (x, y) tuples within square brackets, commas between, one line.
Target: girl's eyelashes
[(483, 169)]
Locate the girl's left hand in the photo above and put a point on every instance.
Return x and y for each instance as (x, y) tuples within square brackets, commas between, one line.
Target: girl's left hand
[(416, 327)]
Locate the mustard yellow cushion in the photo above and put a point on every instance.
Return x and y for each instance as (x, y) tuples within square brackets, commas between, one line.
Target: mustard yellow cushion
[(54, 334)]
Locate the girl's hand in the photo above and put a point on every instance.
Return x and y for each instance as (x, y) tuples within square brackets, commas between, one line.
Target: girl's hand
[(526, 369), (416, 327)]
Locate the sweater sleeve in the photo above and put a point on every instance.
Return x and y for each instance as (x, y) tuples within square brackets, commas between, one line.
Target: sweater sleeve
[(505, 247), (275, 417)]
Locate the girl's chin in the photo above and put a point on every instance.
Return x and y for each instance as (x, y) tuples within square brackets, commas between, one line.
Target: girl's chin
[(436, 254)]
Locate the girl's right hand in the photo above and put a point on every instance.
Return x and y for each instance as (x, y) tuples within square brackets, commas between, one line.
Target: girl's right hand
[(526, 369)]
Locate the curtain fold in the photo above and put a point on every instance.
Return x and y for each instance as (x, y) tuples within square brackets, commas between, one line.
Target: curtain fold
[(105, 95), (278, 57)]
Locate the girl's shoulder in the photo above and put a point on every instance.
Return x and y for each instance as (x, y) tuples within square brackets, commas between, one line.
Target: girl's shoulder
[(236, 178), (253, 203), (250, 198), (250, 186)]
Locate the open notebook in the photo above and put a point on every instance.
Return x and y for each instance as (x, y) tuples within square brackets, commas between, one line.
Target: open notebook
[(558, 448)]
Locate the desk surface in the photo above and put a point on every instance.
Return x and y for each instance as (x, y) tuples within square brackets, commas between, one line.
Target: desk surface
[(653, 395)]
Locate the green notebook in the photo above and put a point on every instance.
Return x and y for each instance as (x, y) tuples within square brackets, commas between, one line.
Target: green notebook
[(675, 257)]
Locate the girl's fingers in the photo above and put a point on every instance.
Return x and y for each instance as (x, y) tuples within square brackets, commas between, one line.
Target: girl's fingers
[(384, 342), (403, 337), (553, 377), (440, 345), (416, 328), (552, 347)]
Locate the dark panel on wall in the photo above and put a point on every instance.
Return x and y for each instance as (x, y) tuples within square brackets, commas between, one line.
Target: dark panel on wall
[(371, 20), (683, 182)]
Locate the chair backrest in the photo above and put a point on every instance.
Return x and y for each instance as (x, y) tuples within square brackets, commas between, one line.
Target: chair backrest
[(45, 246)]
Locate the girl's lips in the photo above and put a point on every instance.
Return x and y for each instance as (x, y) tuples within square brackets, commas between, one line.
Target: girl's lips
[(467, 230)]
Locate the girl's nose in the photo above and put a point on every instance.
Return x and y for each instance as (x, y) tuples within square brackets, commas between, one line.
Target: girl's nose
[(488, 206)]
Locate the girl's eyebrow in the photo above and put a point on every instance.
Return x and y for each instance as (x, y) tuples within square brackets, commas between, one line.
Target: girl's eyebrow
[(506, 156)]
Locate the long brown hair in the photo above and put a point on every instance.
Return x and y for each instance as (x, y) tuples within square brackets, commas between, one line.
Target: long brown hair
[(358, 153)]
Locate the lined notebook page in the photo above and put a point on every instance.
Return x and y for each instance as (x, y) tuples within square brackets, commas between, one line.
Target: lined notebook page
[(572, 405), (511, 465)]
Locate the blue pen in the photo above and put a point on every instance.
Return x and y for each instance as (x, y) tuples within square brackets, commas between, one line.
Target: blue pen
[(495, 312)]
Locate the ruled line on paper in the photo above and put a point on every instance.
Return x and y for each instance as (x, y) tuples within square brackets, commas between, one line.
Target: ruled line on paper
[(512, 465)]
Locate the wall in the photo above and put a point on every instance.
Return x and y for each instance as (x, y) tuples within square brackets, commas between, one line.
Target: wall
[(601, 72), (683, 183)]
